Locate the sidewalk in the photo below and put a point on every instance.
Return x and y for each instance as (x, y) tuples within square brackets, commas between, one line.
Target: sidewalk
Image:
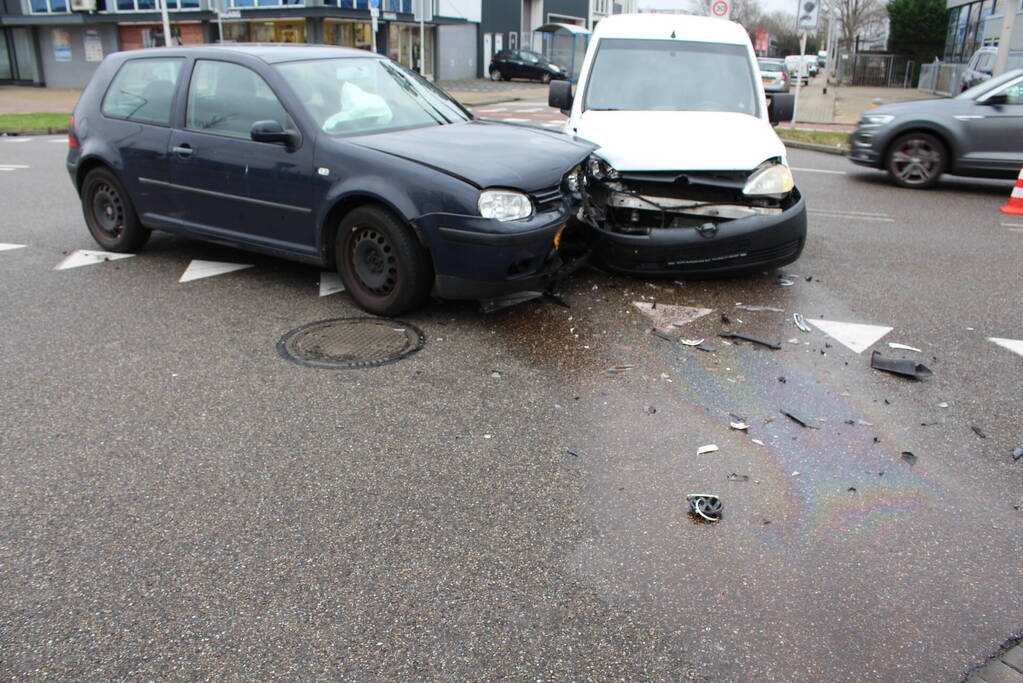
[(16, 99), (844, 104)]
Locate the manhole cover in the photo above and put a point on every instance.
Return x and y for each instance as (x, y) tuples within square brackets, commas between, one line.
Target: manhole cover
[(351, 343)]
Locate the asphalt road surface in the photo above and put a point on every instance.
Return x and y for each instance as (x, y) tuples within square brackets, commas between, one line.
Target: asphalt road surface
[(178, 501)]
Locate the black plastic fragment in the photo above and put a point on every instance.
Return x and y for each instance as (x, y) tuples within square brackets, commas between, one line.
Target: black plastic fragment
[(572, 452), (725, 319), (978, 431), (900, 366), (801, 420), (738, 477), (661, 335), (752, 340), (909, 457), (707, 348)]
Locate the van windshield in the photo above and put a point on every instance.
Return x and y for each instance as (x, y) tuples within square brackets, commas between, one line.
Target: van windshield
[(671, 75)]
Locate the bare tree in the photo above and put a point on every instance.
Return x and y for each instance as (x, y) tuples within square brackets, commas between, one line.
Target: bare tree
[(856, 18), (745, 12)]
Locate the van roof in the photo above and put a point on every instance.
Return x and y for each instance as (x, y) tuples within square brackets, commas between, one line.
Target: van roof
[(671, 27)]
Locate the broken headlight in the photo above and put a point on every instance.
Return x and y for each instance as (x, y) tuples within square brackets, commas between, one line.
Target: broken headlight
[(773, 179), (505, 205), (598, 169), (575, 179)]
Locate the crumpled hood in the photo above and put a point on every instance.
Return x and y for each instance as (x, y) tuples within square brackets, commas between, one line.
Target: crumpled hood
[(486, 154), (680, 141)]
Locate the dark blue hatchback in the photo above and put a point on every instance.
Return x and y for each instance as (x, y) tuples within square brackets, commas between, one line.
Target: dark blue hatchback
[(329, 156)]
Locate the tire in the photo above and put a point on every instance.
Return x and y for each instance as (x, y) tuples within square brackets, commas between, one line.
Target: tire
[(381, 262), (916, 160), (110, 214), (545, 78), (496, 75)]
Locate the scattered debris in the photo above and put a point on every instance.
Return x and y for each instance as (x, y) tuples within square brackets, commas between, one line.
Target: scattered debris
[(796, 473), (738, 477), (691, 342), (943, 405), (614, 370), (809, 278), (496, 374), (757, 442), (752, 340), (800, 322), (709, 448), (665, 317), (661, 335), (1017, 454), (707, 348), (900, 366), (785, 283), (793, 341), (706, 505), (650, 410), (909, 457), (498, 303), (680, 283), (556, 298), (978, 431), (903, 347), (725, 319), (782, 379), (741, 426), (574, 453), (754, 309), (488, 436), (801, 420)]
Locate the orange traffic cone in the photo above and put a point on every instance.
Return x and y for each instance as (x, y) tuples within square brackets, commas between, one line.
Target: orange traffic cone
[(1015, 205)]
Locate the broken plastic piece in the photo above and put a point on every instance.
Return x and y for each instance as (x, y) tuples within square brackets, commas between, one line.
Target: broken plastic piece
[(725, 319), (496, 374), (801, 420), (909, 457), (903, 347), (707, 348), (491, 305), (661, 335), (1017, 454), (709, 448), (614, 370), (978, 432), (738, 477), (691, 342), (900, 366), (743, 307), (752, 340), (706, 505), (785, 283), (800, 322), (573, 452), (757, 442), (741, 426)]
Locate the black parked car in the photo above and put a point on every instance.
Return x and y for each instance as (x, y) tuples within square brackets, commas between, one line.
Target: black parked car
[(977, 133), (508, 64), (330, 156)]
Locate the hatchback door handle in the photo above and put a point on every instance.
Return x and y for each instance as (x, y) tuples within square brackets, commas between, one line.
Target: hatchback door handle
[(182, 151)]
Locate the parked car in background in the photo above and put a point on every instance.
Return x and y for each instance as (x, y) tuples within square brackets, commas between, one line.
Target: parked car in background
[(690, 178), (977, 133), (774, 75), (982, 64), (508, 64), (812, 65), (334, 157), (797, 68), (822, 58)]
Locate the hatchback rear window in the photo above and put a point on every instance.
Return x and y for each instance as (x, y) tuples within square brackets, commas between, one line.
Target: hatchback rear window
[(143, 90)]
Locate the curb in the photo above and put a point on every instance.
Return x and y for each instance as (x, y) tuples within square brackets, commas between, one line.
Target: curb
[(483, 103), (827, 149), (41, 131)]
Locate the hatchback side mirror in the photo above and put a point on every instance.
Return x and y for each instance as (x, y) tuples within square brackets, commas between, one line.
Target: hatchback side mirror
[(560, 96), (273, 131), (781, 108)]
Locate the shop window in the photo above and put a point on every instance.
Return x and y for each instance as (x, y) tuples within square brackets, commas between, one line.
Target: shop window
[(48, 6), (143, 90)]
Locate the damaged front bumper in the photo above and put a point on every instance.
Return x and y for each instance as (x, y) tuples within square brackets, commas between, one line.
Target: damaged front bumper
[(714, 234)]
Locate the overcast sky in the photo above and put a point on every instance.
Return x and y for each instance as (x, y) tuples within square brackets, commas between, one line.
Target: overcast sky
[(770, 5)]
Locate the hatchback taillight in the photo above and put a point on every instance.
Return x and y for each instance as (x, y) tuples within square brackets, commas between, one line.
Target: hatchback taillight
[(72, 139)]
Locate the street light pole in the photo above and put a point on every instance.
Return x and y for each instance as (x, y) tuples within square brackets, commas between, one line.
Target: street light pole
[(166, 23)]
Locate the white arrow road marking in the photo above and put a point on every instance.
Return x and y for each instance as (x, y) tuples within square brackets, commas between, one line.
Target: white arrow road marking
[(1014, 345), (7, 246), (199, 269), (856, 336), (330, 283), (87, 257)]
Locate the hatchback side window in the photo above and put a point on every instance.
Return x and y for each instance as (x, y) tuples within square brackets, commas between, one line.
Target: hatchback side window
[(143, 90), (1014, 93), (226, 99)]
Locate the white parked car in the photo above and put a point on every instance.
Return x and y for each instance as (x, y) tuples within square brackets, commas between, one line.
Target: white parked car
[(689, 177)]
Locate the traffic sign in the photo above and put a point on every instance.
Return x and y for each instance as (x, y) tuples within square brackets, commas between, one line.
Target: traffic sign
[(808, 12), (720, 8)]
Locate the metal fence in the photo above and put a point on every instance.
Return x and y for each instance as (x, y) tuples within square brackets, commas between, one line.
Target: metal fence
[(893, 71), (941, 79)]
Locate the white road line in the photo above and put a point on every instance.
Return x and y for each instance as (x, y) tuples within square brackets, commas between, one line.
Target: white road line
[(16, 139), (62, 141), (854, 213), (817, 170), (1015, 229), (9, 166), (853, 218), (1004, 225)]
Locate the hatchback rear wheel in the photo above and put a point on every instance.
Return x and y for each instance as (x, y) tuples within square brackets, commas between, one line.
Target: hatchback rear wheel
[(110, 214), (381, 262), (916, 160)]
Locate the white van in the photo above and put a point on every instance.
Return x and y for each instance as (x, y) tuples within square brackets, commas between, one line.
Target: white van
[(690, 176)]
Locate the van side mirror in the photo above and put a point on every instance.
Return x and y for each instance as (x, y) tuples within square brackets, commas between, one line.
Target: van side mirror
[(273, 131), (781, 108), (560, 96)]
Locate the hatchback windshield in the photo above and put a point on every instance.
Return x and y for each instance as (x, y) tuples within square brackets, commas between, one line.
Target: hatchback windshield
[(671, 75), (354, 96)]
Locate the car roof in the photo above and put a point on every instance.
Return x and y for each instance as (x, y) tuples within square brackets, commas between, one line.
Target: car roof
[(271, 53), (671, 27)]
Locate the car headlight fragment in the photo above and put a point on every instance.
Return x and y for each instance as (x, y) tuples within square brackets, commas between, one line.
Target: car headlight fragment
[(770, 180), (598, 169), (505, 205), (575, 179), (875, 119)]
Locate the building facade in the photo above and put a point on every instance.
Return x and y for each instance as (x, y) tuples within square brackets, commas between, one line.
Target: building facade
[(978, 23), (59, 43)]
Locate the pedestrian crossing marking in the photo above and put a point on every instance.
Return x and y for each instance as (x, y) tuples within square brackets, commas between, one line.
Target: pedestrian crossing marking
[(855, 336), (6, 246), (87, 257)]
